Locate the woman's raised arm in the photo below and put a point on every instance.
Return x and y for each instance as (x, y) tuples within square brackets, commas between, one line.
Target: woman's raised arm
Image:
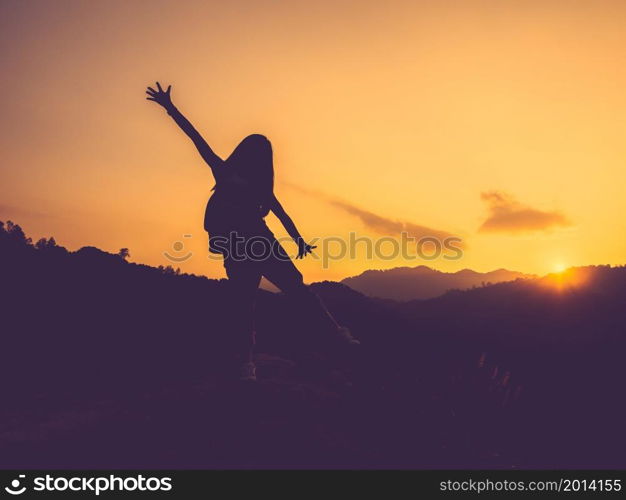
[(163, 97)]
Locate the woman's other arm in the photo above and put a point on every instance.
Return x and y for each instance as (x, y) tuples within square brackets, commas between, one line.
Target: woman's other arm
[(303, 247)]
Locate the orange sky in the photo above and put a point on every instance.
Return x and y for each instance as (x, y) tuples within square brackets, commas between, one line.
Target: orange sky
[(501, 121)]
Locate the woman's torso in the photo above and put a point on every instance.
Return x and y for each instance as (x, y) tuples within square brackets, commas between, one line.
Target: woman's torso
[(233, 207)]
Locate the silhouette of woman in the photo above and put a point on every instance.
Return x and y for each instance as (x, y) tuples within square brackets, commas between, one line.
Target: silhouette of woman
[(234, 218)]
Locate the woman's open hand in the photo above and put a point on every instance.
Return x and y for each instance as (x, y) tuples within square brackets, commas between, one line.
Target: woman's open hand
[(160, 96), (304, 248)]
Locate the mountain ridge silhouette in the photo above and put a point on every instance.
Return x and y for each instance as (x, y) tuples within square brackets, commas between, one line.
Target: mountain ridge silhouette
[(114, 364)]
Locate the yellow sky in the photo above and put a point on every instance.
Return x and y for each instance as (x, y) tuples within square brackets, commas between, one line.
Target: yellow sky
[(407, 110)]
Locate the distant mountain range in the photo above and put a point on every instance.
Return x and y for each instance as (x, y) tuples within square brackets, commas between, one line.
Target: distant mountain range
[(422, 282)]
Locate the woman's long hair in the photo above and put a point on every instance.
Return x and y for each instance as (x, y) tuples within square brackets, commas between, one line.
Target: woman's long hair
[(253, 160)]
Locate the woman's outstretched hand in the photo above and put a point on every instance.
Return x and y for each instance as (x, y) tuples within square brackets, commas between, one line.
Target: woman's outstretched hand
[(304, 248), (160, 96)]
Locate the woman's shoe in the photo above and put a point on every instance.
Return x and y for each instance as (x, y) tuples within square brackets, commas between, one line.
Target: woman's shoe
[(247, 372), (345, 336)]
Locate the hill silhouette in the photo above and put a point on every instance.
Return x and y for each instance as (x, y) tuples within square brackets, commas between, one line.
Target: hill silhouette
[(113, 364), (422, 282)]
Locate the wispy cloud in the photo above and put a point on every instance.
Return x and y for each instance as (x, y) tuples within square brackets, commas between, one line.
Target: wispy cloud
[(378, 223), (507, 215), (390, 227), (8, 212)]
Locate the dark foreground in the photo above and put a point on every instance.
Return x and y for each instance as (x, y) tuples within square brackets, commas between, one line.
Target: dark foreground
[(108, 364)]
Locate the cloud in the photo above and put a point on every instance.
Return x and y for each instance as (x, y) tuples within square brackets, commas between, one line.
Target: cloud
[(8, 212), (377, 223), (507, 215), (390, 227)]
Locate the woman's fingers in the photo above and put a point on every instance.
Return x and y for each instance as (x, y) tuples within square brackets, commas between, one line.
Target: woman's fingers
[(151, 99), (304, 249), (157, 94)]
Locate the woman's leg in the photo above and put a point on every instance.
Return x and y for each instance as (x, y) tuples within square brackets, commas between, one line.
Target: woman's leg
[(281, 271), (243, 281)]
